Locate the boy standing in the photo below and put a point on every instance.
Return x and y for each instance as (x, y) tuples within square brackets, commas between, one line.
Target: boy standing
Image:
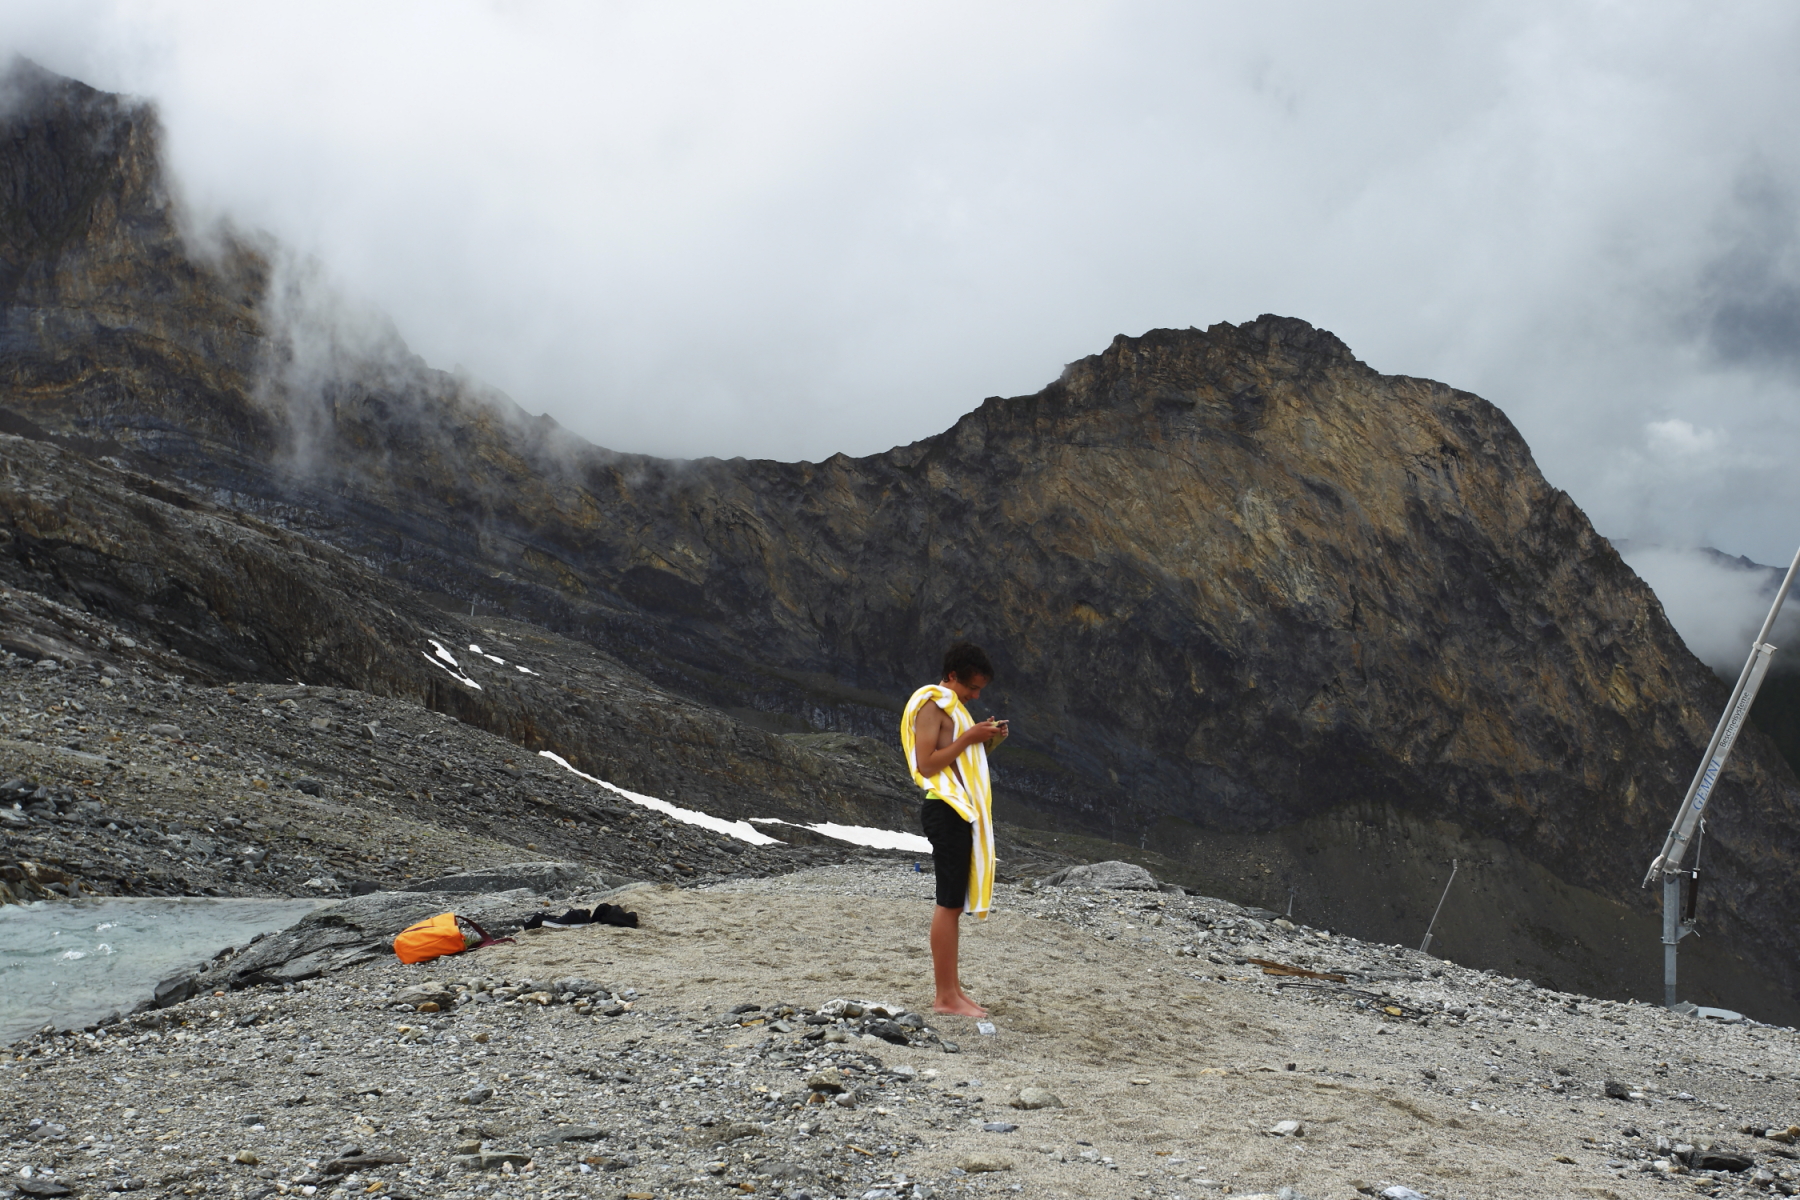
[(946, 750)]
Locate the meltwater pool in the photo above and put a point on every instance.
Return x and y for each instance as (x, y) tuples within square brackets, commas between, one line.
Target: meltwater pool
[(70, 963)]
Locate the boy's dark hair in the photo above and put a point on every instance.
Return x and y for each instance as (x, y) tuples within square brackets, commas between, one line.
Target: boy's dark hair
[(965, 660)]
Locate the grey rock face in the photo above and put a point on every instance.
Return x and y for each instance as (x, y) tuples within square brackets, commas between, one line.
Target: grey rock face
[(544, 878), (1116, 876)]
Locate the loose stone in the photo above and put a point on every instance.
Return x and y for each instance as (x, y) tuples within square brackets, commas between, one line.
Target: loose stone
[(1037, 1097), (974, 1163)]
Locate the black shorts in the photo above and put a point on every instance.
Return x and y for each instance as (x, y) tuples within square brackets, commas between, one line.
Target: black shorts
[(952, 847)]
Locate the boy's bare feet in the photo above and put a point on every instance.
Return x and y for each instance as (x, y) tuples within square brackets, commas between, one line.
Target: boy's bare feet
[(958, 1005)]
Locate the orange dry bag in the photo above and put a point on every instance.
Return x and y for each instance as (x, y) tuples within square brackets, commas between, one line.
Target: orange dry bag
[(431, 938)]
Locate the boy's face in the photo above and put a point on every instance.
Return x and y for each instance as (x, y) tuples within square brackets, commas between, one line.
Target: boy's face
[(970, 690)]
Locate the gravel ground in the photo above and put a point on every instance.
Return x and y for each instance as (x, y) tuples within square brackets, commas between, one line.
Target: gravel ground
[(1173, 1061)]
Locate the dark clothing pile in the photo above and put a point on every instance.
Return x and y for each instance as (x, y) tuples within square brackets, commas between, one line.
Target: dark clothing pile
[(604, 914)]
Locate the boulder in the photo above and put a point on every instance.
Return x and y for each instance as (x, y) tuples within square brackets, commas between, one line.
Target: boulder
[(176, 988), (541, 877), (1115, 876)]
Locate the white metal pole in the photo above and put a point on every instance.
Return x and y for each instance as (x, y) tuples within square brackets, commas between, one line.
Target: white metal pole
[(1737, 709), (1425, 946)]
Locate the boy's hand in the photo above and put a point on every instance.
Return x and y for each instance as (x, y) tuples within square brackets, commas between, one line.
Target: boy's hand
[(986, 731)]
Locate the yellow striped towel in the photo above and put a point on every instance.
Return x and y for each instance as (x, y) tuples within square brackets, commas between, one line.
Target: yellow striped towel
[(963, 785)]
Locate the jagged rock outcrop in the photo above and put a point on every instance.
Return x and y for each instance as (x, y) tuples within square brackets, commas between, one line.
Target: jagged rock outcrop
[(1244, 590)]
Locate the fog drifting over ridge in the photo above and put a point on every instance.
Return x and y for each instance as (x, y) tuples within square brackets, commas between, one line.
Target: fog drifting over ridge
[(797, 229), (1717, 603)]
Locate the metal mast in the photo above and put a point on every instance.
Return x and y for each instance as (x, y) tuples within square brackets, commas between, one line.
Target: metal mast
[(1667, 865)]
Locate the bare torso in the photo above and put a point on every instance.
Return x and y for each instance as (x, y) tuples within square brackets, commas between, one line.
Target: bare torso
[(933, 729)]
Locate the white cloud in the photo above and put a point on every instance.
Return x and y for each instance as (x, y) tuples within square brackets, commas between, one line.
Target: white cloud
[(794, 228), (1676, 438)]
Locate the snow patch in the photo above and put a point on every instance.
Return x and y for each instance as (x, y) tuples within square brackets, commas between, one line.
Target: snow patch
[(443, 658), (861, 835), (741, 830), (493, 658)]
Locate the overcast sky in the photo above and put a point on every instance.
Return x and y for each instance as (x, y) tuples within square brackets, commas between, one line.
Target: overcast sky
[(792, 229)]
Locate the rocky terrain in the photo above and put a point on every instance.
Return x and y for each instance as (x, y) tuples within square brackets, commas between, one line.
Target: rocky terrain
[(1255, 604), (1137, 1050)]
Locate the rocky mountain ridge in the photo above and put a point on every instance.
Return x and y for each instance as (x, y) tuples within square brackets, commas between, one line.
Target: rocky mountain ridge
[(1251, 599)]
